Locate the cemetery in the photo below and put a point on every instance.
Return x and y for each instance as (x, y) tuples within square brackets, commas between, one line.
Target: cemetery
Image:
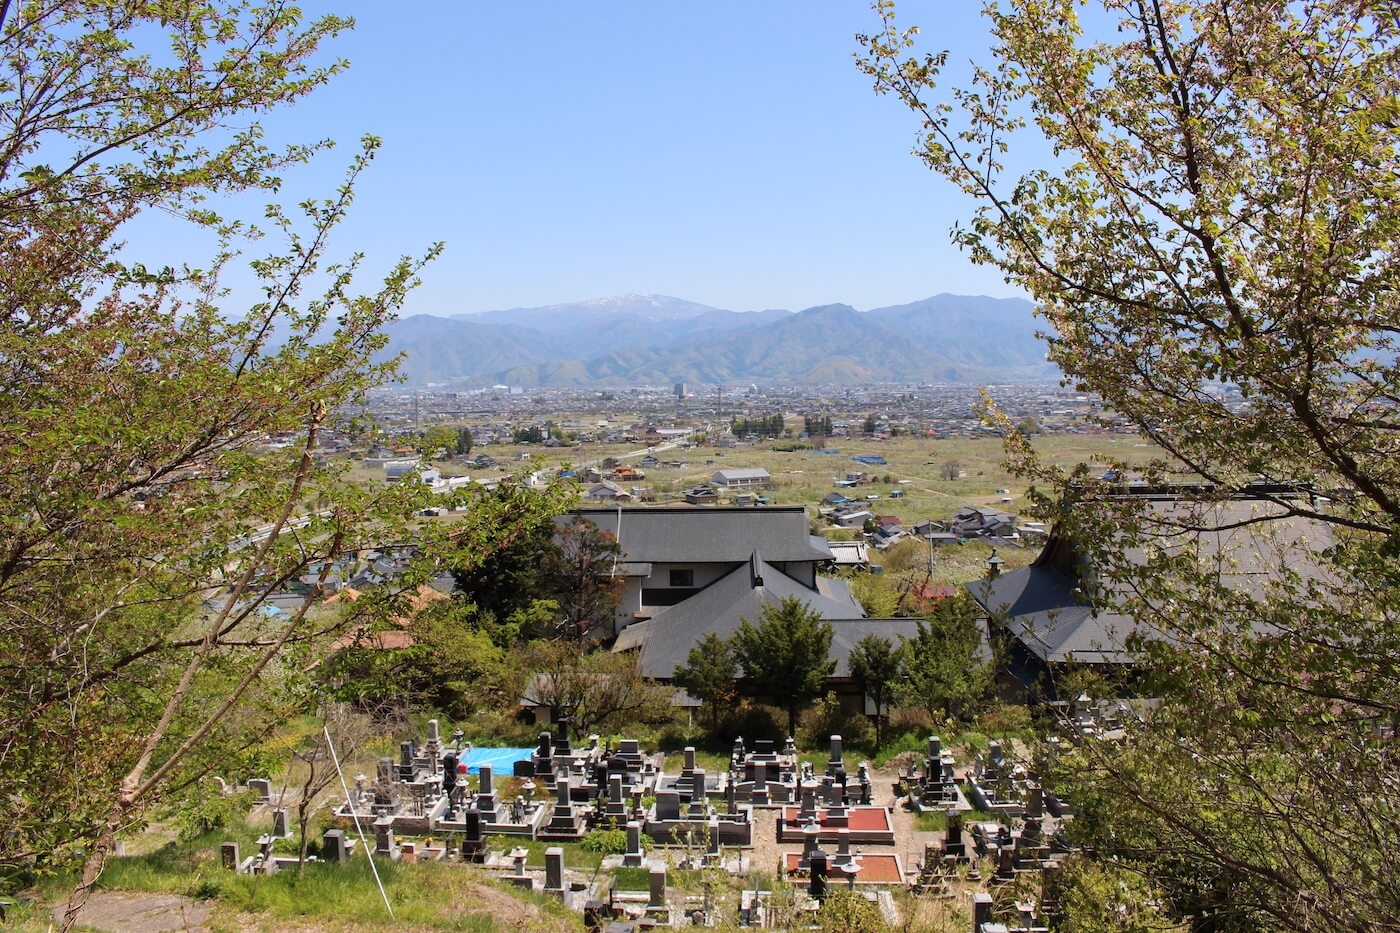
[(760, 843)]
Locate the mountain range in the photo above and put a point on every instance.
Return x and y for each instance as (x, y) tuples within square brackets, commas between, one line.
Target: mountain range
[(654, 339)]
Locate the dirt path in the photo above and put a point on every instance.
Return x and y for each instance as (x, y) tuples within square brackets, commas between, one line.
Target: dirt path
[(119, 912)]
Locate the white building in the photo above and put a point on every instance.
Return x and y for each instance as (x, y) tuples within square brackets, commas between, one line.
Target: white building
[(742, 478)]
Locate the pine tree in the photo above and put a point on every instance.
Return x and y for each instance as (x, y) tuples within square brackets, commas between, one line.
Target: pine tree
[(785, 656)]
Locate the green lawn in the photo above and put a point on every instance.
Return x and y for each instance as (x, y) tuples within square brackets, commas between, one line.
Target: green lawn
[(426, 895)]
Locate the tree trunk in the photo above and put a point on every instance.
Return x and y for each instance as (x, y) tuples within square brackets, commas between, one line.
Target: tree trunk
[(97, 859)]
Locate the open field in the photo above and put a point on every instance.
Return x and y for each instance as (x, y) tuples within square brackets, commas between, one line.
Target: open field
[(803, 477)]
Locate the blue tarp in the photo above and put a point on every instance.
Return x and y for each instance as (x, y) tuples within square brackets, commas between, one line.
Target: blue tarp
[(501, 760), (871, 460), (831, 450)]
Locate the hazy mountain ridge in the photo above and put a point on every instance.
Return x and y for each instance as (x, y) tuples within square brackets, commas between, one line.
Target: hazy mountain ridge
[(639, 339)]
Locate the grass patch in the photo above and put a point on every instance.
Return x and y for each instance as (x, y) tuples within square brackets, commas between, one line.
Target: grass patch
[(936, 821), (931, 822), (575, 856), (430, 895), (631, 879)]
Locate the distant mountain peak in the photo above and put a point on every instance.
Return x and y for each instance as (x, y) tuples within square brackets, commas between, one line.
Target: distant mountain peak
[(637, 339)]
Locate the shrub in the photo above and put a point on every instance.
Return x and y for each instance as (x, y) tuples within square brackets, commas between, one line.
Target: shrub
[(829, 718), (611, 842), (1006, 719), (755, 721), (206, 887), (911, 719), (204, 808), (848, 912)]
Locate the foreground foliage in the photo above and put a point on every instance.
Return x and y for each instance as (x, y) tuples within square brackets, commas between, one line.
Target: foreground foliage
[(143, 524), (1213, 242)]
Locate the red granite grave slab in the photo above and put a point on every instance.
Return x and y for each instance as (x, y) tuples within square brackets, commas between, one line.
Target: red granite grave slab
[(874, 869)]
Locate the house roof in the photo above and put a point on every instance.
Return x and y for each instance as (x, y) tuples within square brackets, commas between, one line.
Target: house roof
[(606, 490), (847, 633), (666, 638), (850, 553), (709, 535), (740, 473), (1043, 608), (1045, 605)]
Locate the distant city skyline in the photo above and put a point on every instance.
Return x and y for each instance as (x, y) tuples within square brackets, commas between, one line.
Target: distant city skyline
[(729, 154)]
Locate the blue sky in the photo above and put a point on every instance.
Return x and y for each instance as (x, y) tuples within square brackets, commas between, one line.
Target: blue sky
[(726, 152)]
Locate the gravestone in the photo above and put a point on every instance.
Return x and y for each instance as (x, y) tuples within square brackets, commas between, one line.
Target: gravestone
[(474, 847), (843, 847), (333, 848), (982, 904), (433, 747), (384, 837), (1006, 863), (1035, 802), (834, 765), (816, 874), (713, 855), (554, 869), (384, 785), (759, 793), (263, 788), (228, 855), (807, 812), (698, 806), (953, 834), (668, 805), (811, 843), (449, 772), (617, 799), (281, 825), (486, 789), (632, 858), (656, 888)]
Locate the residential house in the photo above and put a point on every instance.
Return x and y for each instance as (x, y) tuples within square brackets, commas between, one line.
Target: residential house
[(975, 522), (851, 516), (888, 535), (1055, 615), (608, 491), (852, 555), (701, 495)]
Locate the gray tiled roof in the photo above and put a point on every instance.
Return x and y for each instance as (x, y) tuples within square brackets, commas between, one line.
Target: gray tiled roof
[(847, 633), (1041, 607), (1045, 608), (666, 638), (710, 535)]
